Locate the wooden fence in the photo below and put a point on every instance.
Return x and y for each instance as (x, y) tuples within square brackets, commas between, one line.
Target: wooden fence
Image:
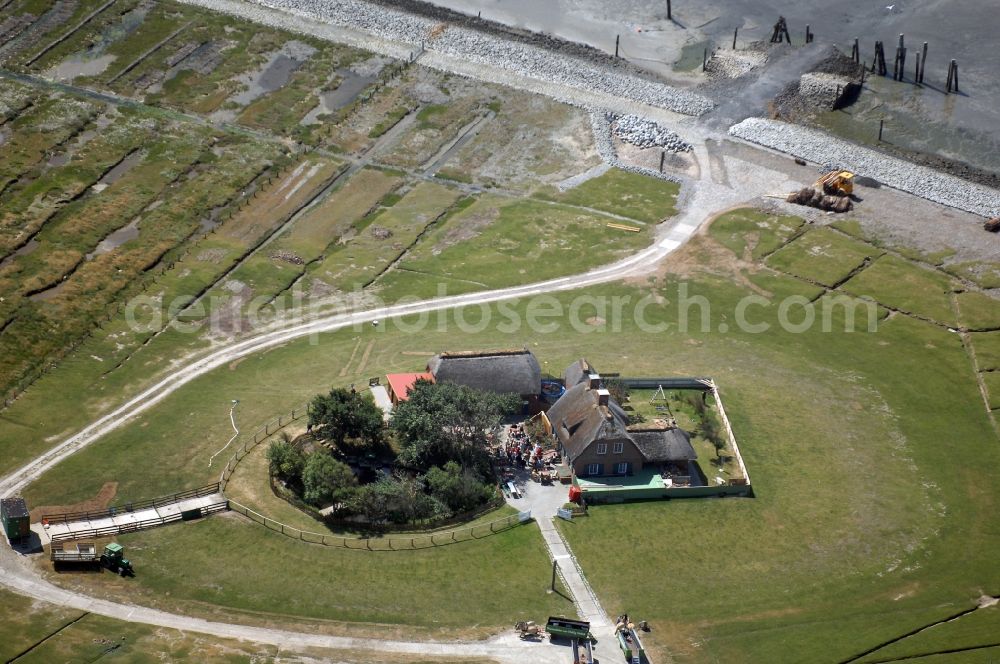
[(133, 526), (66, 517), (259, 436), (397, 543)]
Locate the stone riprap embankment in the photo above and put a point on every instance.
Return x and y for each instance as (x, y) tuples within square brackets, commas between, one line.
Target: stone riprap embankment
[(824, 149), (605, 144), (646, 133), (474, 46)]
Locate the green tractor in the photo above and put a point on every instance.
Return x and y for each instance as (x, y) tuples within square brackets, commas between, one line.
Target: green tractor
[(114, 559)]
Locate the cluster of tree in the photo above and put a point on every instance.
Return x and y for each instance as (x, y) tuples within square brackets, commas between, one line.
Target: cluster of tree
[(318, 478), (345, 415), (442, 422), (442, 431)]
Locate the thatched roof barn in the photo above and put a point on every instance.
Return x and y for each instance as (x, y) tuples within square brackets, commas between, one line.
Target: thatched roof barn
[(514, 371)]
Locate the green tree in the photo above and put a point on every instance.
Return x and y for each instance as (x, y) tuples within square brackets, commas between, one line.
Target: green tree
[(326, 481), (397, 500), (286, 461), (442, 422), (458, 488), (344, 414)]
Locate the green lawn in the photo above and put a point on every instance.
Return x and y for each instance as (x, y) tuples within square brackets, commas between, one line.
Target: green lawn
[(900, 284), (227, 561), (24, 622), (822, 255), (982, 273), (992, 381), (979, 628), (498, 242), (872, 457), (639, 197), (987, 345), (358, 259), (753, 231), (978, 311)]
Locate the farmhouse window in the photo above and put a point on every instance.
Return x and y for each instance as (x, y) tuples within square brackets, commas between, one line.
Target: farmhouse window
[(619, 448), (602, 448), (594, 469), (622, 469)]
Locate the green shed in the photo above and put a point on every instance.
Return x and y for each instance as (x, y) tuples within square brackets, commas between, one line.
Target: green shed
[(14, 515)]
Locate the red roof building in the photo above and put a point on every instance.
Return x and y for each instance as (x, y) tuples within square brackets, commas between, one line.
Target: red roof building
[(400, 385)]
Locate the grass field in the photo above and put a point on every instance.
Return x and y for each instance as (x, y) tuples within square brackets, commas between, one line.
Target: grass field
[(872, 456), (433, 590), (532, 141), (881, 529), (987, 346), (53, 634), (359, 259), (26, 622), (973, 630), (823, 256), (900, 284), (754, 234), (639, 197), (497, 242)]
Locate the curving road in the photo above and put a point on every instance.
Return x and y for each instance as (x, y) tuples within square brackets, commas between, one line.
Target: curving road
[(703, 196)]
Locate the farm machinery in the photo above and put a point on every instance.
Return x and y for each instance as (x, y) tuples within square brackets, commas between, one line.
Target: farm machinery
[(830, 192), (113, 558)]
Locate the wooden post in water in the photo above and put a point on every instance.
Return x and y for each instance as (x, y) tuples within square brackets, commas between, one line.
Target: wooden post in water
[(617, 40), (923, 63), (954, 66), (704, 60), (951, 75), (881, 123), (735, 32), (856, 52), (663, 157), (669, 17)]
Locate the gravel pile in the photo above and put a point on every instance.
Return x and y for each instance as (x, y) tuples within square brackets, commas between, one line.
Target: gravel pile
[(606, 148), (478, 47), (733, 64), (822, 148), (646, 133), (823, 90)]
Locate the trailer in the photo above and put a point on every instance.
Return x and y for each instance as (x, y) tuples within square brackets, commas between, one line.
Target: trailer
[(15, 519), (113, 557), (583, 652), (568, 628), (84, 553), (629, 642)]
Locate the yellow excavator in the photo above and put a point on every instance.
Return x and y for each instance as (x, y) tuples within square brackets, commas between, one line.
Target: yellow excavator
[(836, 183), (831, 192)]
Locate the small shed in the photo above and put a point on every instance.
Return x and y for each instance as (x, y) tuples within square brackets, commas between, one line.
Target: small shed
[(15, 519), (400, 385)]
